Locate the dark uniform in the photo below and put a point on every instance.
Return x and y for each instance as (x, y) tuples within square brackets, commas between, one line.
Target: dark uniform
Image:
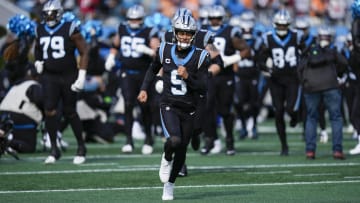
[(247, 93), (179, 98), (221, 90), (134, 66), (55, 47), (283, 83)]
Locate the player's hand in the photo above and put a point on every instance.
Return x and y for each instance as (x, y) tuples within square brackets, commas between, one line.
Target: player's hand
[(142, 48), (39, 65), (142, 97), (182, 72), (110, 62), (78, 85)]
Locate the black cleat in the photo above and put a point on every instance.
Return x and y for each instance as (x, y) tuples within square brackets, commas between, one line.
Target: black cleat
[(183, 171)]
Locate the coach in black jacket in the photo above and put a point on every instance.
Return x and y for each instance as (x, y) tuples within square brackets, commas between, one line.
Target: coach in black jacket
[(318, 73)]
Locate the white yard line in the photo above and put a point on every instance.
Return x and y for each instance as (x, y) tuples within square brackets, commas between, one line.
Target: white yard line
[(132, 168), (267, 172), (316, 174), (178, 187)]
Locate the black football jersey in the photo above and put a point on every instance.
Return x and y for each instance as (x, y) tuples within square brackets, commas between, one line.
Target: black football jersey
[(129, 39), (223, 42), (247, 66), (177, 92), (55, 47), (284, 52)]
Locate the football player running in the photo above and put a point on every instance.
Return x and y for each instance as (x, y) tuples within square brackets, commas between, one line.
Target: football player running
[(136, 45), (185, 72), (278, 58), (55, 44), (227, 39)]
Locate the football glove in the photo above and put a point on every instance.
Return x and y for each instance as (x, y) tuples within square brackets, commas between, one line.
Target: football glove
[(142, 48), (229, 60), (39, 65), (78, 85), (110, 62)]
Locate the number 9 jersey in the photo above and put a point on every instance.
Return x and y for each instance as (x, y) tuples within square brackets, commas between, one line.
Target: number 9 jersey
[(55, 47)]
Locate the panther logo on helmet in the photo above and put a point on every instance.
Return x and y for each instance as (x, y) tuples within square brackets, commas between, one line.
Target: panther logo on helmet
[(52, 12), (188, 25)]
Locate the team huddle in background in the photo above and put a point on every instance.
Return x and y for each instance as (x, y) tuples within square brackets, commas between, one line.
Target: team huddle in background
[(180, 77)]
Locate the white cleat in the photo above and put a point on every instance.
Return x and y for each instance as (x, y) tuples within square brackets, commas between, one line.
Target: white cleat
[(127, 148), (217, 147), (165, 169), (50, 160), (324, 138), (168, 191), (147, 149), (356, 150), (79, 160)]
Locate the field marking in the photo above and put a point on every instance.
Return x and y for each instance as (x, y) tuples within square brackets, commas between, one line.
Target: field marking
[(267, 172), (351, 177), (178, 187), (316, 174), (133, 168)]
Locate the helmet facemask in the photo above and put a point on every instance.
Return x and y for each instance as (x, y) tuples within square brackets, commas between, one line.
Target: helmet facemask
[(184, 28), (52, 13)]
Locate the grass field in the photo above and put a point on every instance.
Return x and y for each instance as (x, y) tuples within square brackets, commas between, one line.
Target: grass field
[(255, 174)]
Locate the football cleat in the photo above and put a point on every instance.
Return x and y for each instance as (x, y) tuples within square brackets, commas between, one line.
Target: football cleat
[(165, 169), (79, 160), (147, 149), (127, 148), (54, 155), (183, 171), (168, 191), (324, 136), (355, 150), (217, 147)]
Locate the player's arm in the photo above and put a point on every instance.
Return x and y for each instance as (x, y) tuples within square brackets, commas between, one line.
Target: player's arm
[(150, 75), (216, 63), (110, 60), (82, 47)]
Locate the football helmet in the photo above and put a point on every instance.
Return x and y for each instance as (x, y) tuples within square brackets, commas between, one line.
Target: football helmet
[(325, 35), (184, 24), (52, 12), (135, 16), (281, 22), (247, 28), (216, 16), (248, 15), (203, 15), (181, 12)]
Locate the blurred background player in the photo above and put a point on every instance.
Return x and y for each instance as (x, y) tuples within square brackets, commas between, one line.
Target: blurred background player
[(136, 45), (279, 57), (227, 40)]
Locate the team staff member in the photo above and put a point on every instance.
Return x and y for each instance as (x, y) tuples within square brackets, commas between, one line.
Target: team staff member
[(55, 44), (185, 70)]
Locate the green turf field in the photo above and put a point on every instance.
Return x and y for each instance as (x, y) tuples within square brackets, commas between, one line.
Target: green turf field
[(255, 174)]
